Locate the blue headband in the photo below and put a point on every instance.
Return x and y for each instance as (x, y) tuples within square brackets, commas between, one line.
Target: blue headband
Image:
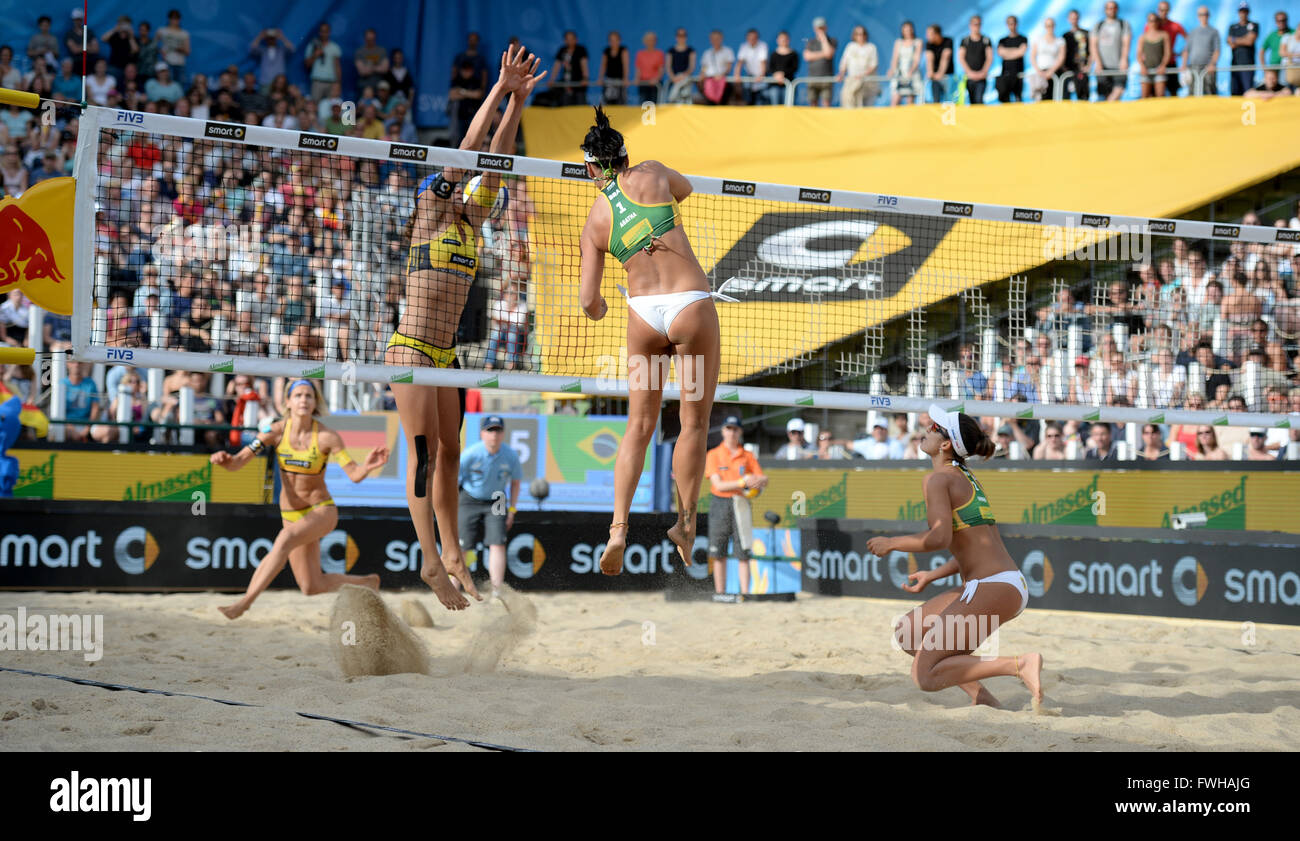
[(297, 383)]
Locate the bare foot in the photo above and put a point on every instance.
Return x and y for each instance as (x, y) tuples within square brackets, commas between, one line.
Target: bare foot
[(454, 563), (436, 578), (985, 698), (1030, 667), (682, 534), (611, 562), (233, 611)]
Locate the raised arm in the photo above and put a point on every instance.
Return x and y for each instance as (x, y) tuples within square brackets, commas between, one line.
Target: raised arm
[(264, 442), (333, 447)]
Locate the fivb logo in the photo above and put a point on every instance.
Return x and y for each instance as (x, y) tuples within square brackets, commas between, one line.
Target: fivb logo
[(1129, 243), (93, 794)]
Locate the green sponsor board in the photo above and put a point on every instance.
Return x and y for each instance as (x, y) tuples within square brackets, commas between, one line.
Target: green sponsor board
[(178, 488), (730, 397), (404, 377), (226, 367), (490, 382), (317, 373), (574, 387), (1226, 510), (912, 509), (805, 401), (829, 502), (37, 481), (1071, 509)]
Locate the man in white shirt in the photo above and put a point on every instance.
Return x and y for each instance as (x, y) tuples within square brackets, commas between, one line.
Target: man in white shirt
[(796, 447), (751, 61), (715, 64), (878, 446), (1047, 57), (858, 62)]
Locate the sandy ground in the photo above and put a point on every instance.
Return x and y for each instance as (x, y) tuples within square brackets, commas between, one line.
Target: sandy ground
[(818, 674)]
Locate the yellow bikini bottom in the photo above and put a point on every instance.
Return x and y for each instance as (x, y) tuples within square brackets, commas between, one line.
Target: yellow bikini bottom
[(298, 513), (441, 357)]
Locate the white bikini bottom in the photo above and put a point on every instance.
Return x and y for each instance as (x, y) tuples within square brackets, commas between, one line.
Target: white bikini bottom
[(1013, 578), (659, 310)]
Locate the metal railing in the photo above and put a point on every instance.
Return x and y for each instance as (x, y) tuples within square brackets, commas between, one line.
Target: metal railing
[(1132, 80)]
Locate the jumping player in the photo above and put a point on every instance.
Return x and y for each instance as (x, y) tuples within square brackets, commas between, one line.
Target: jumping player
[(638, 221), (957, 510), (441, 267), (303, 445)]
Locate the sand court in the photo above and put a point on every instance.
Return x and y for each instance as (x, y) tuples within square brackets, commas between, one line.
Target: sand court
[(581, 671)]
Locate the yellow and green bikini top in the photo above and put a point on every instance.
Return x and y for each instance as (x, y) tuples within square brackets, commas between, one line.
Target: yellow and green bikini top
[(634, 224), (976, 511), (454, 250), (310, 461)]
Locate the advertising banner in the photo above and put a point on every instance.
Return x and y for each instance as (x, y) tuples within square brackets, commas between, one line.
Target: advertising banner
[(166, 546), (1213, 575), (134, 477), (1231, 499)]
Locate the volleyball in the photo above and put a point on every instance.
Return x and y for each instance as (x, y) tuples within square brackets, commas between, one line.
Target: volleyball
[(474, 193)]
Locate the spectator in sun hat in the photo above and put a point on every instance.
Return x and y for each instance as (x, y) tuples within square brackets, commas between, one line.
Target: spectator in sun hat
[(795, 447), (162, 88)]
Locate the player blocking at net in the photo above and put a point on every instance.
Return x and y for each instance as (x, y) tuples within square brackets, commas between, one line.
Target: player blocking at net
[(441, 266), (638, 221), (941, 634)]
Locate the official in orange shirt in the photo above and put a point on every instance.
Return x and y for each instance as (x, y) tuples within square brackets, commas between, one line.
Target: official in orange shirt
[(732, 470)]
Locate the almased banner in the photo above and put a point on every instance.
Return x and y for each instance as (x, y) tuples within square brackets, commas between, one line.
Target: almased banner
[(1232, 500), (1215, 576), (134, 477)]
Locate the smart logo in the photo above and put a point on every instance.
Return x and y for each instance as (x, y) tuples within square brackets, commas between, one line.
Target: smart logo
[(1040, 583), (524, 556), (331, 545), (1189, 581), (135, 550)]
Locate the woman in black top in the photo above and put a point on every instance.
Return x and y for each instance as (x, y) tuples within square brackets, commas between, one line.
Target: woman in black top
[(614, 70), (782, 65)]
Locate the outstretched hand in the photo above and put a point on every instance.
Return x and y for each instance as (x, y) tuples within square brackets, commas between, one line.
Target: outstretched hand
[(519, 70)]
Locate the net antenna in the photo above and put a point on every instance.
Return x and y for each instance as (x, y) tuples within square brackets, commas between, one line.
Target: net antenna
[(285, 254)]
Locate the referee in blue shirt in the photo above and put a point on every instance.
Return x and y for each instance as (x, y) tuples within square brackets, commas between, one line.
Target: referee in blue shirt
[(486, 511)]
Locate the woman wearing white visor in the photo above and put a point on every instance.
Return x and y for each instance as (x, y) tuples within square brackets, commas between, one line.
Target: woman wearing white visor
[(961, 521)]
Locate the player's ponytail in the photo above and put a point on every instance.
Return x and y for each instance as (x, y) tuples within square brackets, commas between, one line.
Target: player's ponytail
[(603, 144), (977, 443)]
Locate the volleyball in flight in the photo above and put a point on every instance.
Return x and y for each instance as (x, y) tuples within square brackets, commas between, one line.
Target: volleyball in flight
[(476, 193)]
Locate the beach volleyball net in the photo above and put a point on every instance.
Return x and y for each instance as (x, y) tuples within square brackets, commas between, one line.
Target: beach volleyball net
[(231, 248)]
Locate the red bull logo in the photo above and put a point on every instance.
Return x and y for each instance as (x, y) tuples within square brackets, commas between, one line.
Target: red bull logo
[(36, 244), (23, 240)]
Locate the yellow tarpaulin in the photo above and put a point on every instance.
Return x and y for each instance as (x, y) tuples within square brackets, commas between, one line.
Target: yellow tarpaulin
[(1150, 158), (1156, 157)]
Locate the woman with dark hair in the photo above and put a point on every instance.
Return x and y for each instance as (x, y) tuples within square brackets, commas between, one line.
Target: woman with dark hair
[(941, 634), (303, 446), (442, 262), (638, 221)]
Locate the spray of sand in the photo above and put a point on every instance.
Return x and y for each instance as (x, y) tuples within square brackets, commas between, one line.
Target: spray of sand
[(369, 639), (378, 642)]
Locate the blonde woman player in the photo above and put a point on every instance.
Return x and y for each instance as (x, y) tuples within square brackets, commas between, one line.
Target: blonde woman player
[(303, 446), (960, 520), (441, 266), (637, 220)]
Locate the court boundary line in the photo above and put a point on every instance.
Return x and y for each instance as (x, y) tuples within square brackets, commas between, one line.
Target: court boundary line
[(122, 687)]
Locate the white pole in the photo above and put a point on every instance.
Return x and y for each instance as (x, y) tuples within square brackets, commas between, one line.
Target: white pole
[(1238, 451), (124, 400), (1074, 342), (1144, 386), (1061, 371), (877, 383), (999, 384), (1120, 332), (218, 336), (1251, 385), (1045, 383), (1176, 451), (1195, 378), (36, 329), (1293, 450), (1072, 449), (1133, 437), (156, 325), (1220, 339), (1123, 452), (1016, 452), (933, 365), (58, 396), (99, 326), (914, 384), (155, 384), (333, 395), (988, 351), (187, 414)]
